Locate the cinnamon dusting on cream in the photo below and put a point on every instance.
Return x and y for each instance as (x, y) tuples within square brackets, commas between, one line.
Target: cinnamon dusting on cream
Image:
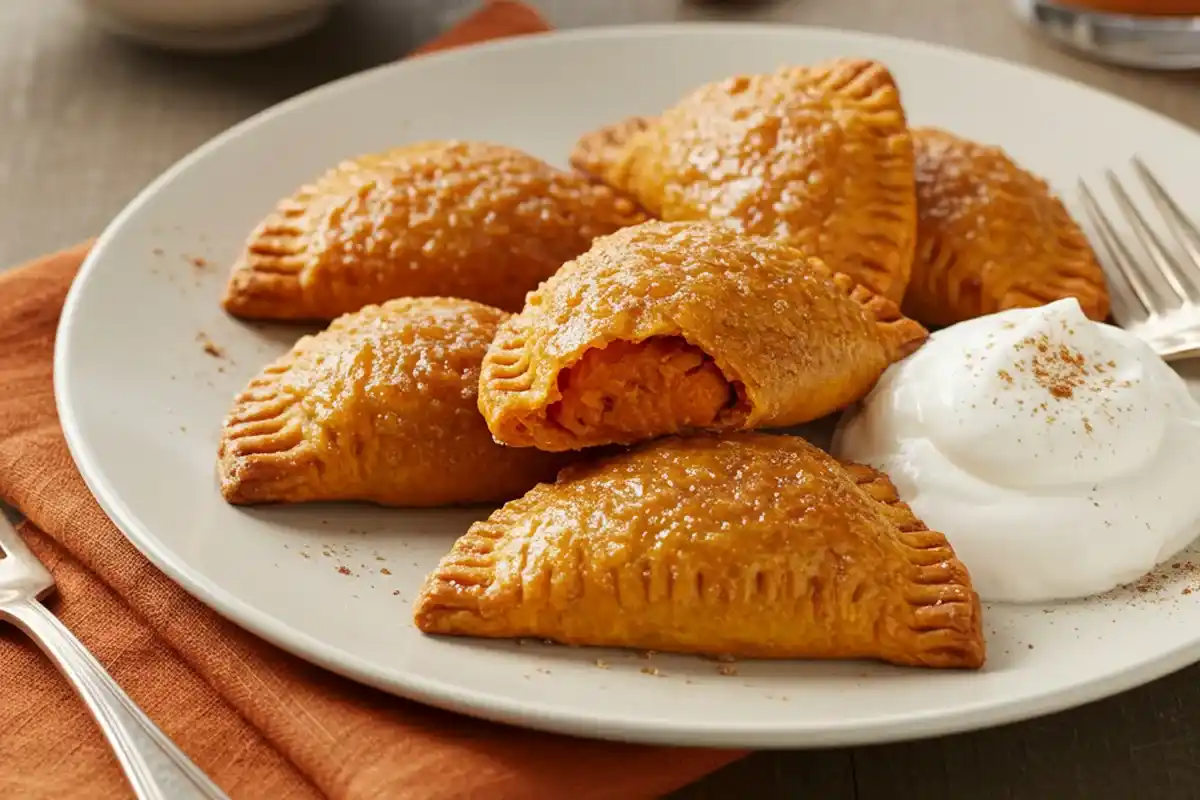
[(1059, 369)]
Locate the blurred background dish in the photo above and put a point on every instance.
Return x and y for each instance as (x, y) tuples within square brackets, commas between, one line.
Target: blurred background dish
[(1148, 34), (210, 25)]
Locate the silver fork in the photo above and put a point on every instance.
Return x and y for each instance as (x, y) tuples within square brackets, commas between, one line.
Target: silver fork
[(155, 767), (1157, 297)]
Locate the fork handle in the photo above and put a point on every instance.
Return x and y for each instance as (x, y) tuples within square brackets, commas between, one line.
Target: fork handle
[(155, 767)]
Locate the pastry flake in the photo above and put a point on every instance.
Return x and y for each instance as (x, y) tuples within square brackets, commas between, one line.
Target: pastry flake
[(747, 545), (992, 236), (460, 219), (666, 328), (379, 407), (819, 156)]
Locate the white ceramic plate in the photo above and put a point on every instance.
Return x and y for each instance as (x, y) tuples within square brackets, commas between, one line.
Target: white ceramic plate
[(141, 402)]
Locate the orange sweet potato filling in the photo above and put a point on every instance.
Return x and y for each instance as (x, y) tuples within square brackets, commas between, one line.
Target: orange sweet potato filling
[(629, 391)]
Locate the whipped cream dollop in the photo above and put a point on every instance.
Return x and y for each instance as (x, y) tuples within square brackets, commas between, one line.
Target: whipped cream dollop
[(1058, 455)]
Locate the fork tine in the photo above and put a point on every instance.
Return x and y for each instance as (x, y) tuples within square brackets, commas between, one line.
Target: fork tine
[(1128, 287), (1125, 307), (1184, 230), (22, 574), (10, 542), (12, 546), (1166, 268)]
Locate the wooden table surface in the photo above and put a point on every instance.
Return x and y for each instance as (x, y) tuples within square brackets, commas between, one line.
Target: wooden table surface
[(86, 121)]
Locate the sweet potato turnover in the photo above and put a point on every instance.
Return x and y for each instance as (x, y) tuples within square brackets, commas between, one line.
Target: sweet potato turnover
[(668, 328), (747, 545), (380, 407), (992, 236), (817, 155), (462, 219)]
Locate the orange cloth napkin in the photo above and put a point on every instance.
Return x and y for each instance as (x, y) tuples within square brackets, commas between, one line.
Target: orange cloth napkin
[(262, 723)]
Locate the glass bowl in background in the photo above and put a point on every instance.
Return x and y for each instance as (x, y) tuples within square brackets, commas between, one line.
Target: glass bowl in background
[(1148, 34)]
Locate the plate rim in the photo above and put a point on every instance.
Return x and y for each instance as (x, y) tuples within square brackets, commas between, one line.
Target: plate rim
[(556, 718)]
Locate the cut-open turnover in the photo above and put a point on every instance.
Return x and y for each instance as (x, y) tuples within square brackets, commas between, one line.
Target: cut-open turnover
[(669, 328)]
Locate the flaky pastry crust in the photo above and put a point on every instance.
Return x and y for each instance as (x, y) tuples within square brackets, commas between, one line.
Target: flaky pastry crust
[(451, 218), (818, 155), (747, 545), (671, 327), (379, 407), (992, 236)]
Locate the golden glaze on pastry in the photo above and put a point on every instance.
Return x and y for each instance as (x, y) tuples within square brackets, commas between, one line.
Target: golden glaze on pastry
[(380, 407), (670, 327), (819, 156), (992, 236), (459, 219), (748, 545)]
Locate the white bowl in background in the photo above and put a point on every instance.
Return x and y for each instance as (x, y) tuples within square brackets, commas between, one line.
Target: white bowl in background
[(210, 25)]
